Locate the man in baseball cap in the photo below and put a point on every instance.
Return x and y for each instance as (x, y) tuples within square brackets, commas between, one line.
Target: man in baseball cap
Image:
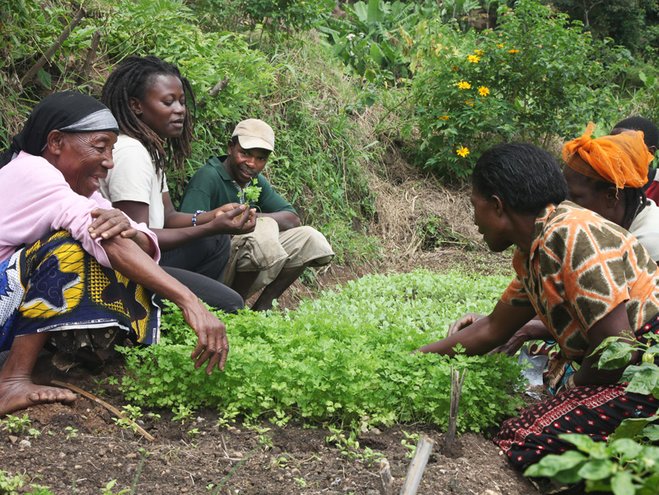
[(254, 133), (276, 253)]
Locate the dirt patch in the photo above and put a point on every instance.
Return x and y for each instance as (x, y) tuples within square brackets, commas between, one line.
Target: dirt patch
[(80, 449)]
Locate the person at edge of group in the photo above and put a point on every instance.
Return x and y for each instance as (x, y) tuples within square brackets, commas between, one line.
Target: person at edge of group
[(279, 249), (605, 175), (651, 139), (565, 259), (72, 266), (150, 100)]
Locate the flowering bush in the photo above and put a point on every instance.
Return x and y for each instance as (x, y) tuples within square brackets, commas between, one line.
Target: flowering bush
[(534, 78)]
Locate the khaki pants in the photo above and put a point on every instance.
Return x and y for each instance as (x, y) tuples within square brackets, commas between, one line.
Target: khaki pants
[(268, 251)]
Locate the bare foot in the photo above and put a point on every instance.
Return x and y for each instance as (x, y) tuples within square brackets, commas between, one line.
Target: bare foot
[(17, 394)]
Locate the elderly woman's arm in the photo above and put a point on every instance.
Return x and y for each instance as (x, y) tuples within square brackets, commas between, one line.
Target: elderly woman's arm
[(108, 223), (127, 258)]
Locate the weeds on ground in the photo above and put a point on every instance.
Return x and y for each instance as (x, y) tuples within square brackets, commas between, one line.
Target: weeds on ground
[(16, 425), (15, 485)]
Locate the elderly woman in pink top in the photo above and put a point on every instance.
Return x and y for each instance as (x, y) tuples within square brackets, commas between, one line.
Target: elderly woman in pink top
[(73, 270)]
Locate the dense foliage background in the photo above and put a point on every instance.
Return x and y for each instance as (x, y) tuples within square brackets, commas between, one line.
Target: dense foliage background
[(341, 81)]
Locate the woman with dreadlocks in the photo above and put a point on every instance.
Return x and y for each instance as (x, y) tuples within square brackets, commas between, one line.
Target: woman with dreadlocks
[(149, 98)]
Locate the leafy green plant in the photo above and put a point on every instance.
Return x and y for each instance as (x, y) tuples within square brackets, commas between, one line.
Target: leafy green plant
[(251, 193), (342, 359), (71, 432), (15, 485), (275, 17), (409, 441), (182, 413), (132, 414), (348, 445), (372, 38), (16, 424), (108, 489), (621, 466)]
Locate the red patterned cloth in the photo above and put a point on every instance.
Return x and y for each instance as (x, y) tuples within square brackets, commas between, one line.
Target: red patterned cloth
[(595, 411), (591, 410)]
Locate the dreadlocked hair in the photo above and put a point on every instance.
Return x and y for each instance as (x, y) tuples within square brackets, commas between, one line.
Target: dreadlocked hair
[(131, 79)]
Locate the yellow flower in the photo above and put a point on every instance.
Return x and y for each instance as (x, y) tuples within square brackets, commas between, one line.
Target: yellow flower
[(483, 90), (474, 59), (464, 85), (469, 102), (443, 117), (462, 151), (479, 53), (500, 45), (513, 51)]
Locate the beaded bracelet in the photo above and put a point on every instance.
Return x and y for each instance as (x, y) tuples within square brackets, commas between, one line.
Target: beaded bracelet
[(194, 217)]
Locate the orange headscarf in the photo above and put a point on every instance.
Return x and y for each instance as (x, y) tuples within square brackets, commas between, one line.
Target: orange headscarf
[(621, 160)]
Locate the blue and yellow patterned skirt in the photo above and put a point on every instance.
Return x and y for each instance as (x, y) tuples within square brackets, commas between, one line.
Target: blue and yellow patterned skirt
[(55, 285)]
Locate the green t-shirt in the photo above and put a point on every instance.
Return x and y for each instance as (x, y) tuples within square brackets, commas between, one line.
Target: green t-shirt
[(212, 186)]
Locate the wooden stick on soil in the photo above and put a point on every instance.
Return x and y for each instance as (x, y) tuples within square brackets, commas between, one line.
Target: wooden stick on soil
[(417, 466), (107, 406), (457, 380)]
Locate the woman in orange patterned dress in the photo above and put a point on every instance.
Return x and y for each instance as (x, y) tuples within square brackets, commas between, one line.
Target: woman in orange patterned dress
[(585, 277)]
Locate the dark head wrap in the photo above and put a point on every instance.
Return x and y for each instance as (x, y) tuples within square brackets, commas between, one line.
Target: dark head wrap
[(67, 111)]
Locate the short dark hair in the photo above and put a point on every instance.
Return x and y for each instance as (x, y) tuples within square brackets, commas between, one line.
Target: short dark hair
[(637, 123), (526, 178)]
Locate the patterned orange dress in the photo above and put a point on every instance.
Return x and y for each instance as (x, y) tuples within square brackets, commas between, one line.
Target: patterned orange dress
[(579, 268)]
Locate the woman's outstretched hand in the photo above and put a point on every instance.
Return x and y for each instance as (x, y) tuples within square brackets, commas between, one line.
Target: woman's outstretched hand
[(463, 322), (234, 219), (212, 343)]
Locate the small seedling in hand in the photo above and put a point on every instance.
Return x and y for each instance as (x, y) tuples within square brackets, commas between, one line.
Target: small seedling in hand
[(251, 193)]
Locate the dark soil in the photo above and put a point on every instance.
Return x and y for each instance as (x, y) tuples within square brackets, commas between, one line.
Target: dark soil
[(80, 449)]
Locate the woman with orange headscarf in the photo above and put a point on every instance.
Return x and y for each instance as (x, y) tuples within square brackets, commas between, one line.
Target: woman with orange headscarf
[(607, 175)]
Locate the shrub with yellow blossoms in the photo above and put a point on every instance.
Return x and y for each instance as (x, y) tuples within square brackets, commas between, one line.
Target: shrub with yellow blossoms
[(494, 91)]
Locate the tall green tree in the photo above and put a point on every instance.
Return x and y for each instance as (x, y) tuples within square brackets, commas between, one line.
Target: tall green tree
[(632, 23)]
